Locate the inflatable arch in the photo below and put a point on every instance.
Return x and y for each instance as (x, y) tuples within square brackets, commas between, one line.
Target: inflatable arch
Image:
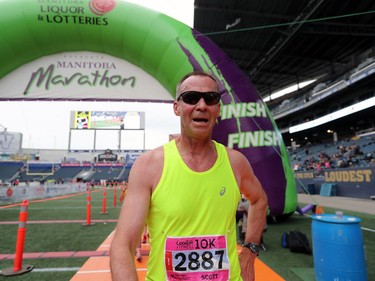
[(164, 48)]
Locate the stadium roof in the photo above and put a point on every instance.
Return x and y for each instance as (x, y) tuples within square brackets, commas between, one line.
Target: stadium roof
[(280, 43)]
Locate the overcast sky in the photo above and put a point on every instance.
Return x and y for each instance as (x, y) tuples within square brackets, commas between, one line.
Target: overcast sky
[(45, 125)]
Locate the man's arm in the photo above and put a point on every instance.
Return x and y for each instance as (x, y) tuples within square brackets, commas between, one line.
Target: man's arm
[(252, 189), (132, 219), (256, 215)]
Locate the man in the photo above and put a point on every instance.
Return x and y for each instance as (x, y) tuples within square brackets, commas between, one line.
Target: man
[(187, 192)]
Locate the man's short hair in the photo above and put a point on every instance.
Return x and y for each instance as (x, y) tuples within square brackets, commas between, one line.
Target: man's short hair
[(195, 73)]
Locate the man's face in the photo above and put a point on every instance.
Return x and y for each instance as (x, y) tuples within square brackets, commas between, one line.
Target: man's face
[(199, 119)]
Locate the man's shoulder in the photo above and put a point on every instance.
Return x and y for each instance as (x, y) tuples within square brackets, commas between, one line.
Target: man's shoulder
[(148, 167), (235, 154), (155, 154), (240, 164)]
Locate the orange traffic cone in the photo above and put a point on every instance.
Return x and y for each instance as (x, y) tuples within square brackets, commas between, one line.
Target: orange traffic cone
[(319, 210)]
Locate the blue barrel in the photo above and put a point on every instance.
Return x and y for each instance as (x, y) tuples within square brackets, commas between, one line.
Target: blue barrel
[(338, 248)]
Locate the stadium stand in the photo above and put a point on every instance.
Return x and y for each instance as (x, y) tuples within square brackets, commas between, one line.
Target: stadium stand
[(310, 157), (343, 154), (9, 169), (35, 172), (66, 173), (105, 173)]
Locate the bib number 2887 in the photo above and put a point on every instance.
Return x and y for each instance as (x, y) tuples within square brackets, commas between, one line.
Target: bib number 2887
[(198, 260)]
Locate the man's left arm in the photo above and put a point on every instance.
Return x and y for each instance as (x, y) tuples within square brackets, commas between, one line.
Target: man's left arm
[(256, 215), (252, 189)]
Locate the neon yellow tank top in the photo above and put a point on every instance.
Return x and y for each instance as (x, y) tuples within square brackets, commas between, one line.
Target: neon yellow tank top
[(191, 221)]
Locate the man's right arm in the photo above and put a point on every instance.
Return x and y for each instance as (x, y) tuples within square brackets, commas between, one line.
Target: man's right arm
[(131, 221)]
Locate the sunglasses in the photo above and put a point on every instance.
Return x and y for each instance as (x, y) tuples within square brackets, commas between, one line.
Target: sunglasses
[(193, 97)]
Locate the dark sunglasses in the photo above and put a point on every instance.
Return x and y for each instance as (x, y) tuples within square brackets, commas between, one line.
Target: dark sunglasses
[(193, 97)]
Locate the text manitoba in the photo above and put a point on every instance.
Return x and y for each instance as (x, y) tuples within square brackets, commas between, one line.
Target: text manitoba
[(85, 64), (47, 79), (253, 139)]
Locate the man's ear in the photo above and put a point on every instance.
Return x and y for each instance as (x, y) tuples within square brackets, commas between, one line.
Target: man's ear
[(176, 108)]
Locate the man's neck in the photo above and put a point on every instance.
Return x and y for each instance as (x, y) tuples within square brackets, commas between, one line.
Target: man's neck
[(198, 155)]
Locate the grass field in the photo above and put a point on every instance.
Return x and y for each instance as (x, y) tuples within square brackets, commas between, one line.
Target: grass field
[(77, 237), (56, 237)]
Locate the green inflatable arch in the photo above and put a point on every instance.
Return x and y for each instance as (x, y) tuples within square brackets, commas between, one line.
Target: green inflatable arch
[(164, 48)]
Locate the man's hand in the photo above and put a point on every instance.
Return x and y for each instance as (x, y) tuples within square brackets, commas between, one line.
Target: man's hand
[(247, 259)]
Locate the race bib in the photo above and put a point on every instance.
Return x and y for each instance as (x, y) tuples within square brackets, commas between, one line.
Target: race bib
[(197, 258)]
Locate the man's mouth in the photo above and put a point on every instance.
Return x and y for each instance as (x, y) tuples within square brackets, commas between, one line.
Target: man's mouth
[(200, 120)]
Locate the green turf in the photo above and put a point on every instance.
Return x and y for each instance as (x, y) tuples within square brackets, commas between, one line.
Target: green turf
[(305, 274), (70, 265), (58, 237), (77, 237)]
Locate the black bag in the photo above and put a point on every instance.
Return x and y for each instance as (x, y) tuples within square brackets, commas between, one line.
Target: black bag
[(298, 242), (285, 240)]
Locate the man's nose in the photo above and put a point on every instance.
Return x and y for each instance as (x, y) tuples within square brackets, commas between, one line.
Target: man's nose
[(201, 103)]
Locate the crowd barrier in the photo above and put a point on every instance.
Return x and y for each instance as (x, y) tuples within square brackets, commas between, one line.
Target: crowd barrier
[(34, 190)]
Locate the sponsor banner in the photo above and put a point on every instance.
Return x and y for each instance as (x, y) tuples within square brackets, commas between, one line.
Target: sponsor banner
[(350, 182), (13, 194), (81, 76), (108, 165)]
